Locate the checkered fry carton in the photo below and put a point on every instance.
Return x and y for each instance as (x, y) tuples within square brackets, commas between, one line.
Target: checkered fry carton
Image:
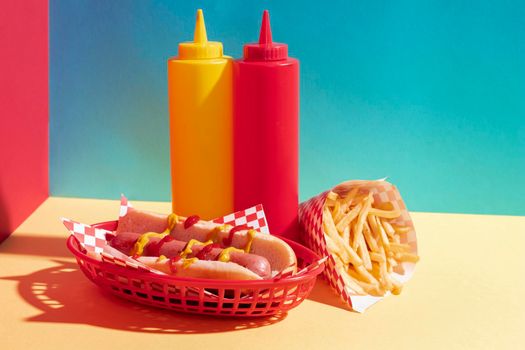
[(311, 218)]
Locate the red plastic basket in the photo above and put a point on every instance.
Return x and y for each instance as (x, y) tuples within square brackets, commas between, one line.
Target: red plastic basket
[(201, 296)]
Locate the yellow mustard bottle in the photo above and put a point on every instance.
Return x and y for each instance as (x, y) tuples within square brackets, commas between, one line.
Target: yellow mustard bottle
[(201, 146)]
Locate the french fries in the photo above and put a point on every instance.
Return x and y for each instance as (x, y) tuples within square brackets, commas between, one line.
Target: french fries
[(364, 242)]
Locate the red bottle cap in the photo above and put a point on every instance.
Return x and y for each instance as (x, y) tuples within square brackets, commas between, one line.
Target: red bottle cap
[(265, 49)]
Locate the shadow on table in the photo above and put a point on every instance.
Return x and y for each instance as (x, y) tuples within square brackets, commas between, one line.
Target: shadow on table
[(64, 295), (24, 244), (61, 279), (323, 293)]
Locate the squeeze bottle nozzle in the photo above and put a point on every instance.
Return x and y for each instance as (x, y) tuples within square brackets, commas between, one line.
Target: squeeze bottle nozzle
[(200, 29), (200, 47), (265, 35), (265, 49)]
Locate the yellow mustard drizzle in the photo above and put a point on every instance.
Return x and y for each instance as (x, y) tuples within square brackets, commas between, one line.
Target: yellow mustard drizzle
[(213, 235), (251, 234), (225, 254), (173, 220), (161, 258), (190, 244), (138, 248), (187, 262)]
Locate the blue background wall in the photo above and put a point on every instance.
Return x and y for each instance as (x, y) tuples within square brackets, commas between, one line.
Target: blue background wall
[(428, 93)]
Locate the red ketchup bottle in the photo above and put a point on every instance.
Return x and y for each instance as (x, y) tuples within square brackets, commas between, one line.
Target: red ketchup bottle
[(266, 118)]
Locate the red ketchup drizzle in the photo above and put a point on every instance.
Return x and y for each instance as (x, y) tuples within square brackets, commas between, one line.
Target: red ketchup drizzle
[(172, 262), (154, 249), (190, 221), (228, 240), (205, 251)]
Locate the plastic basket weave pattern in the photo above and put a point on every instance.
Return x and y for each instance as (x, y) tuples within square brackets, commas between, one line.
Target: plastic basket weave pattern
[(201, 296)]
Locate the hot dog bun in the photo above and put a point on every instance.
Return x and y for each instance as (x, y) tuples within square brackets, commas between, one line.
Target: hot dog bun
[(277, 252), (202, 269)]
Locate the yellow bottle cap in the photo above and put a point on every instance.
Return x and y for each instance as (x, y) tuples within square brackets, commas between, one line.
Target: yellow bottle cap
[(200, 47)]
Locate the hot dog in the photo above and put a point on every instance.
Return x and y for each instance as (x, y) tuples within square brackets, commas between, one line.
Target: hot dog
[(197, 248), (172, 248)]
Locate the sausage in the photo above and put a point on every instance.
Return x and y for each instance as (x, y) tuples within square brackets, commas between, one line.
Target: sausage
[(125, 241), (279, 254)]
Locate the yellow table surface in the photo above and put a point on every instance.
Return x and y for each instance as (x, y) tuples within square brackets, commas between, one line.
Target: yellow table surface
[(466, 294)]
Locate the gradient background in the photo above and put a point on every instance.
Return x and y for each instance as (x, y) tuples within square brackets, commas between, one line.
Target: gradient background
[(428, 93)]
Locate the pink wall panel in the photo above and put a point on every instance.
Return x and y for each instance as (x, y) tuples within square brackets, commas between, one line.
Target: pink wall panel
[(23, 110)]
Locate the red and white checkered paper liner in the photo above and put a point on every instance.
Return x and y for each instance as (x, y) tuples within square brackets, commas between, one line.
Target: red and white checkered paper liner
[(94, 240), (311, 216)]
